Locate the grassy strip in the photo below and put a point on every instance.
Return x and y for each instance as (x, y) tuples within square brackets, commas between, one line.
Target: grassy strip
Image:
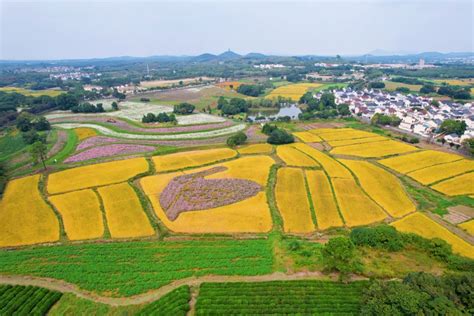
[(68, 149), (106, 234), (42, 190), (310, 200)]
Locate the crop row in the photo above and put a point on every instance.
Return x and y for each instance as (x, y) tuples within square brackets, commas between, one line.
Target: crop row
[(136, 267), (174, 303), (26, 300), (280, 297)]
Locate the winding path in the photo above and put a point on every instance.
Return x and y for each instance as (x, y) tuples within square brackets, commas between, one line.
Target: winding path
[(65, 287)]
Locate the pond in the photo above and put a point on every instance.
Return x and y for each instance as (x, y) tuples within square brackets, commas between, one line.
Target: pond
[(292, 111)]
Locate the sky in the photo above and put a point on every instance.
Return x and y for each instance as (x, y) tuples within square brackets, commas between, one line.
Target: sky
[(51, 29)]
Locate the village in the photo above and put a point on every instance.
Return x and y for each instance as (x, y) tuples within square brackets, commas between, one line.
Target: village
[(419, 115)]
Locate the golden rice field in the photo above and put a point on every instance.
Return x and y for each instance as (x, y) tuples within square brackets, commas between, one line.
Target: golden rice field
[(292, 201), (308, 137), (343, 134), (468, 226), (254, 168), (230, 85), (33, 93), (293, 157), (319, 131), (440, 172), (324, 204), (188, 159), (346, 142), (460, 185), (392, 86), (419, 160), (248, 216), (292, 91), (95, 175), (420, 224), (25, 218), (255, 149), (456, 82), (84, 132), (333, 168), (356, 208), (374, 150), (125, 215), (81, 214), (383, 187)]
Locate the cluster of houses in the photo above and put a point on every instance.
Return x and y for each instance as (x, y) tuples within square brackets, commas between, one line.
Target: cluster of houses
[(417, 113)]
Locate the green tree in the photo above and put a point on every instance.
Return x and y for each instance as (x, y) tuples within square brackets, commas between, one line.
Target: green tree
[(279, 136), (237, 139), (453, 127), (183, 108), (339, 254), (38, 153), (115, 106)]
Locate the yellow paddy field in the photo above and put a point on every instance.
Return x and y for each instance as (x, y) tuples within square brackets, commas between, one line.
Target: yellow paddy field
[(324, 203), (25, 218), (95, 175), (256, 149), (422, 225), (293, 157), (292, 201), (443, 171), (191, 158), (468, 226), (81, 214), (419, 160), (374, 149), (307, 137), (292, 91), (84, 132), (460, 185)]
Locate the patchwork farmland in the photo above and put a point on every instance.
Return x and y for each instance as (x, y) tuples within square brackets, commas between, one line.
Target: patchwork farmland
[(138, 220)]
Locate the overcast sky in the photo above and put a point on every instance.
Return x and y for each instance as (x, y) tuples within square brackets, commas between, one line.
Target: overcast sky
[(49, 29)]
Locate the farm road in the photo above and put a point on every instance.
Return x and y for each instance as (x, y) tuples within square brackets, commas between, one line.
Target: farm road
[(65, 287)]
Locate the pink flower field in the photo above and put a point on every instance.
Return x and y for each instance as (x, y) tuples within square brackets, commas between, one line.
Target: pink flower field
[(108, 151)]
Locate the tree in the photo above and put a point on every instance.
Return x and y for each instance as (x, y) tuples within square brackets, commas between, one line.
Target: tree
[(279, 136), (402, 89), (453, 127), (237, 139), (339, 254), (66, 101), (23, 122), (32, 136), (377, 85), (115, 106), (252, 90), (41, 124), (221, 102), (183, 108), (428, 88), (469, 145), (267, 129), (38, 153)]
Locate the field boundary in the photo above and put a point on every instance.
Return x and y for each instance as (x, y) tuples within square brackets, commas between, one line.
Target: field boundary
[(153, 295)]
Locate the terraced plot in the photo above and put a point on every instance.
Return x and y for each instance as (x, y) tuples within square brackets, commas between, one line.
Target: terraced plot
[(419, 160), (250, 215), (440, 172), (26, 300), (460, 185), (125, 215), (468, 226), (292, 201), (25, 218), (95, 175), (356, 208), (84, 132), (343, 134), (256, 149), (81, 214), (346, 142), (174, 303), (308, 137), (292, 91), (280, 298), (324, 204), (374, 149), (293, 157), (191, 159), (333, 168), (422, 225), (381, 186)]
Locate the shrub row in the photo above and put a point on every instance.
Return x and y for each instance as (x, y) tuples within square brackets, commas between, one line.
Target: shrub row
[(26, 300)]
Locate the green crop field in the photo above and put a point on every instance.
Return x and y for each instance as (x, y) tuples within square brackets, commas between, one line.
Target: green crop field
[(280, 297), (26, 300), (129, 268), (174, 303)]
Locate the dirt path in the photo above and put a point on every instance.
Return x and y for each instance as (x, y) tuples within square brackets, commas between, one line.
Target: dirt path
[(65, 287)]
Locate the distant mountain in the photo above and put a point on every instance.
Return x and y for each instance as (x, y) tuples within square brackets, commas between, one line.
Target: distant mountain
[(228, 55), (255, 56), (204, 58)]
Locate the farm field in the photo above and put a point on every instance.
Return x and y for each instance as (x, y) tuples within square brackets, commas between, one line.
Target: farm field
[(374, 149), (341, 134), (26, 300), (392, 86), (167, 83), (191, 158), (292, 91), (84, 133), (130, 268), (307, 137), (292, 201), (33, 93), (84, 222), (125, 216), (294, 157), (256, 149), (346, 142), (95, 175), (25, 217), (419, 160), (468, 226), (429, 175), (327, 214), (381, 186), (422, 225), (280, 297), (460, 185)]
